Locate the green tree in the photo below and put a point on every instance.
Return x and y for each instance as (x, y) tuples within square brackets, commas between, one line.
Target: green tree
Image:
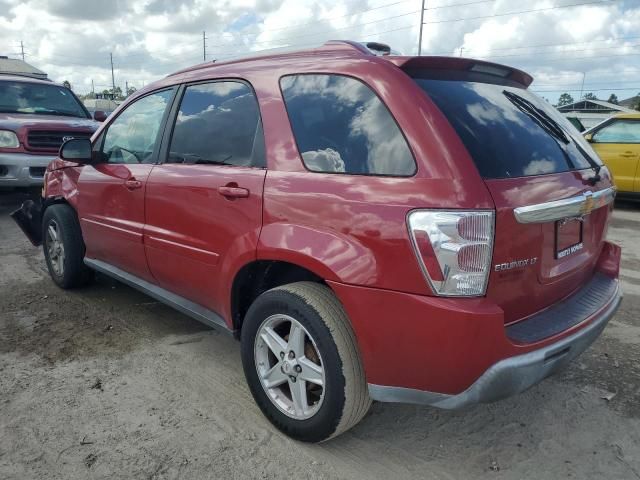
[(565, 99), (131, 91), (613, 98), (637, 99), (590, 96), (66, 84)]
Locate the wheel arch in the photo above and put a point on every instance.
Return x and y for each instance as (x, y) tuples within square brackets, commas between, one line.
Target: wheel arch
[(261, 275)]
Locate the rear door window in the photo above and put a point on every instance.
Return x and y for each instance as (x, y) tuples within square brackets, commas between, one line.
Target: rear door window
[(341, 126), (509, 131)]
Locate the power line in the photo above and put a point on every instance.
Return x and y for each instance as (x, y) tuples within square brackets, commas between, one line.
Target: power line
[(546, 45), (543, 54), (619, 82), (321, 32), (587, 89), (595, 2)]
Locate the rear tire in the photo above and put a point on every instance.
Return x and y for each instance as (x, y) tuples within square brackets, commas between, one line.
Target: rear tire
[(326, 366), (64, 247)]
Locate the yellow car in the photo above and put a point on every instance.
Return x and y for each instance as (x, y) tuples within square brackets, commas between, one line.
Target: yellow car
[(617, 142)]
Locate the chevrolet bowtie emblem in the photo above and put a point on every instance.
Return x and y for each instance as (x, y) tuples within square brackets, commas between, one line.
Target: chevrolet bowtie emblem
[(588, 204)]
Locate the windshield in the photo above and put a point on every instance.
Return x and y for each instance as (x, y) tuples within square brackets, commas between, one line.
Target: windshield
[(36, 98), (509, 131)]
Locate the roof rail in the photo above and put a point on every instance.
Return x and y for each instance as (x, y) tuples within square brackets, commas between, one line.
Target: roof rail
[(367, 48)]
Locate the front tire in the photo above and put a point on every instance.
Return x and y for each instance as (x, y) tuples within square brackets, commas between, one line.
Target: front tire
[(302, 364), (64, 248)]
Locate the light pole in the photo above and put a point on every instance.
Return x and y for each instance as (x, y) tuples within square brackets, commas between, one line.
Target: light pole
[(421, 25), (584, 74)]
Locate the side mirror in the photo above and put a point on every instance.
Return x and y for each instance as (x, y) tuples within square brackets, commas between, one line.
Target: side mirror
[(99, 116), (77, 150), (589, 137)]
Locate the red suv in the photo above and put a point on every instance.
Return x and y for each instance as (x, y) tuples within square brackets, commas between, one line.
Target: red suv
[(371, 227)]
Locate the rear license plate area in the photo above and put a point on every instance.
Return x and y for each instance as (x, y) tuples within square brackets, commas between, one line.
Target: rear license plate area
[(568, 237)]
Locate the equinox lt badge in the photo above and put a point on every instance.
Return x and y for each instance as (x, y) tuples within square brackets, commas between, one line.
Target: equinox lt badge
[(501, 267)]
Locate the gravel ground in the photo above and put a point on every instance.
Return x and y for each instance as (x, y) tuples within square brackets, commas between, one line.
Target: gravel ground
[(104, 382)]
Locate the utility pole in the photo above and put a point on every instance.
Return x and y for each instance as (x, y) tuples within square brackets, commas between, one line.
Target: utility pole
[(421, 25), (126, 88), (461, 49), (93, 87), (584, 74), (22, 49), (204, 46), (113, 78)]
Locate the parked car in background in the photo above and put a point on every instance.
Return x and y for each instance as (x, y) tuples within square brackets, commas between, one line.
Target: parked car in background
[(100, 108), (36, 117), (371, 227), (617, 142)]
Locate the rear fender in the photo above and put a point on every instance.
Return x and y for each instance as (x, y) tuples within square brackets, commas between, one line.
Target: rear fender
[(329, 254)]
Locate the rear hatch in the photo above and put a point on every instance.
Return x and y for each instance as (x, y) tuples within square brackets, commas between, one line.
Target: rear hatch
[(551, 195)]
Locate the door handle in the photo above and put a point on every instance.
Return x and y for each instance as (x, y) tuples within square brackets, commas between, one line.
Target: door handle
[(133, 184), (628, 154), (231, 192)]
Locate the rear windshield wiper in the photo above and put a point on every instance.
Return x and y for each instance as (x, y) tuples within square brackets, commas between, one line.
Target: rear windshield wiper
[(553, 128), (540, 116)]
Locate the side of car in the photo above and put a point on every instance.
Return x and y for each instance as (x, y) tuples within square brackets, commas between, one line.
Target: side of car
[(617, 142)]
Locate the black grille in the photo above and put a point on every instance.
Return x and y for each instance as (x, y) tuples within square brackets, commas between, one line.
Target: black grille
[(37, 172), (50, 140)]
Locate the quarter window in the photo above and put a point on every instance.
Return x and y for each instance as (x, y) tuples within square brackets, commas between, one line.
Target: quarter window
[(619, 131), (341, 126), (219, 124), (133, 135)]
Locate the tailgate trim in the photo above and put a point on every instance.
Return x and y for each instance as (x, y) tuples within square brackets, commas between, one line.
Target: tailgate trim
[(571, 207)]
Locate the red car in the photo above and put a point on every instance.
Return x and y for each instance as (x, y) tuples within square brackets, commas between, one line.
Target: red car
[(370, 226), (36, 116)]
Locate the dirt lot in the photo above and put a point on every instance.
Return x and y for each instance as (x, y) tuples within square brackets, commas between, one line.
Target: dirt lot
[(106, 383)]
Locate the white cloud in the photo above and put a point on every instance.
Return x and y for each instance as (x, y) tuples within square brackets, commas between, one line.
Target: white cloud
[(72, 39)]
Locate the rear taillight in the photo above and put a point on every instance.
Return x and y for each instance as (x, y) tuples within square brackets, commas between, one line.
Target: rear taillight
[(454, 249)]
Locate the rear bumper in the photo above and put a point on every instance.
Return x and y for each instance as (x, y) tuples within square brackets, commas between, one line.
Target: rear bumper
[(512, 375), (22, 169), (452, 352)]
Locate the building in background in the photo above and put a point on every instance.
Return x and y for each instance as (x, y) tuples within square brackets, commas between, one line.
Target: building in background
[(592, 112), (13, 66), (631, 102), (100, 104)]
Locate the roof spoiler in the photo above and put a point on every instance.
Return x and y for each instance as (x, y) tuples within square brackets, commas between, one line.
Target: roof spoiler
[(463, 64)]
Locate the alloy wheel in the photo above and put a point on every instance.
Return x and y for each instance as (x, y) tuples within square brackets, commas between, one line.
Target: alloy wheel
[(289, 366), (55, 248)]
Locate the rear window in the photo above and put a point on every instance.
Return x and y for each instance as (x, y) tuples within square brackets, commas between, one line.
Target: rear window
[(341, 126), (509, 131)]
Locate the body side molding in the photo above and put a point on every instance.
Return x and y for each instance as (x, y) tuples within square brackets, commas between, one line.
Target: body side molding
[(189, 308)]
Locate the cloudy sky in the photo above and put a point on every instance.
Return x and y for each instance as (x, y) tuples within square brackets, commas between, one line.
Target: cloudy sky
[(557, 41)]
